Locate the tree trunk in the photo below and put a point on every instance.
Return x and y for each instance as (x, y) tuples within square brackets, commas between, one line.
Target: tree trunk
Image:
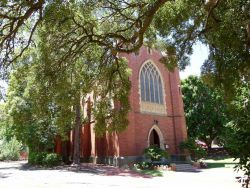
[(209, 147), (248, 34), (77, 133), (208, 142)]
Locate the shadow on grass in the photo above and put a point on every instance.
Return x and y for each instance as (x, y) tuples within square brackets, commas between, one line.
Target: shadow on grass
[(218, 158), (220, 165), (220, 162), (153, 173), (90, 168)]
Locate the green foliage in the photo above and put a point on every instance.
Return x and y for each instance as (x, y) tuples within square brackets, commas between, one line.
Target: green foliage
[(72, 27), (27, 102), (9, 150), (155, 153), (42, 98), (237, 137), (112, 107), (2, 93), (178, 23), (221, 162), (143, 165), (196, 151), (205, 110), (44, 159), (52, 159), (221, 26), (147, 168), (154, 173), (36, 158), (228, 62), (78, 42), (9, 146), (40, 104)]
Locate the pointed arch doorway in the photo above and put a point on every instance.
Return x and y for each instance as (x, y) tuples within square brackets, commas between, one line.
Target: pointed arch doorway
[(155, 137)]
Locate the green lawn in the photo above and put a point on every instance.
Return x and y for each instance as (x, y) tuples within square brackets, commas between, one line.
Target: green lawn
[(215, 162), (153, 173), (225, 162)]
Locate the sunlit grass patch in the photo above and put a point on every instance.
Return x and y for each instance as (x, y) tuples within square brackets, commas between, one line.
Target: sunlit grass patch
[(221, 162), (154, 173)]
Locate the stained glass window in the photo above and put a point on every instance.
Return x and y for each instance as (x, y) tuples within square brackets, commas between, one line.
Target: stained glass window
[(151, 84)]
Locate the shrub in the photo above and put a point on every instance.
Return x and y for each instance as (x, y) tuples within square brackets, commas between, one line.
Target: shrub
[(196, 151), (37, 158), (155, 153), (52, 159), (143, 165), (9, 150), (44, 159), (32, 158)]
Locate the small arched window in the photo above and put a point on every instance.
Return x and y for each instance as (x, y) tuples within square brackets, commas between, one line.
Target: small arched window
[(151, 84)]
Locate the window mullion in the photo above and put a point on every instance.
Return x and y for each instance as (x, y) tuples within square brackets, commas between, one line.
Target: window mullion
[(151, 84)]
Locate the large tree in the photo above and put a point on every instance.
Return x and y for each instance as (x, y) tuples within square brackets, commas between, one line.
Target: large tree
[(124, 26), (72, 27), (45, 100), (205, 110), (237, 136)]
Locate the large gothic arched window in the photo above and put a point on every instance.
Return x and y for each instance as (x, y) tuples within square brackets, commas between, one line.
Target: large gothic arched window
[(151, 90), (150, 84)]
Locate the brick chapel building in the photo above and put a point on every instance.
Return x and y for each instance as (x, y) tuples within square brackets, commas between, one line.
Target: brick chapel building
[(156, 116)]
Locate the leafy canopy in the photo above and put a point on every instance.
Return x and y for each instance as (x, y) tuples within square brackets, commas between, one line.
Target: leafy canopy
[(205, 110), (41, 103), (73, 26), (237, 136), (68, 32)]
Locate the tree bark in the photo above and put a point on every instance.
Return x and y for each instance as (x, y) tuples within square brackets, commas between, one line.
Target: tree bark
[(208, 142), (77, 133), (248, 34), (209, 147)]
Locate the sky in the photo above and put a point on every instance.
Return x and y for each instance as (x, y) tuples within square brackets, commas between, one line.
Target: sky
[(196, 60)]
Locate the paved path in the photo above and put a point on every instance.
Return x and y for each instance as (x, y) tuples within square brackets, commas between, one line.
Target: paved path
[(16, 174)]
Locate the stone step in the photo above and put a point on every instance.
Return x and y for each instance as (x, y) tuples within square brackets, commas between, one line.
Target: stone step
[(185, 168), (179, 162)]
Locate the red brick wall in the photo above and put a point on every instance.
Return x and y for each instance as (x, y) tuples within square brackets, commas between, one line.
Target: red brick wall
[(133, 141)]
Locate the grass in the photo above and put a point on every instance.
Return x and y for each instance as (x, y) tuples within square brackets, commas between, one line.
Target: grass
[(225, 162), (154, 173)]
